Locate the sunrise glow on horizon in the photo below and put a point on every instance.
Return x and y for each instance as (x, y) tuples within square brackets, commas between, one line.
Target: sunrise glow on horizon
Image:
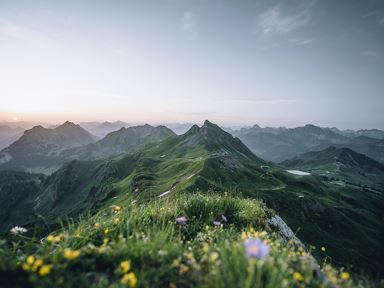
[(277, 63)]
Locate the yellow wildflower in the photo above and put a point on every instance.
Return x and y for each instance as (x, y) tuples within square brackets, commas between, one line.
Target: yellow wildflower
[(205, 247), (189, 255), (25, 266), (45, 270), (297, 276), (344, 275), (37, 264), (115, 208), (30, 260), (125, 266), (101, 249), (129, 279), (117, 220), (172, 285), (213, 257), (323, 248), (53, 239), (183, 269), (105, 241), (71, 254), (106, 231), (97, 225)]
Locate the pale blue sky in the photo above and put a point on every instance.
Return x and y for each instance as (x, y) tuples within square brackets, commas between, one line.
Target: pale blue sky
[(234, 62)]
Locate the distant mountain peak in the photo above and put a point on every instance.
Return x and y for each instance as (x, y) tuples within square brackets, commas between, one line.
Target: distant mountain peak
[(67, 125)]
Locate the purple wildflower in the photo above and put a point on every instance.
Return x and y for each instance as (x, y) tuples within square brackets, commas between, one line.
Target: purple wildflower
[(216, 223), (181, 220), (256, 248)]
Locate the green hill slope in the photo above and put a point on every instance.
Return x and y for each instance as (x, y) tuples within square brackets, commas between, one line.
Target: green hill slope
[(341, 164), (139, 244)]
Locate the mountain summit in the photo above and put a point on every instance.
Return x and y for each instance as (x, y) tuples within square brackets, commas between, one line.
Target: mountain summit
[(38, 146)]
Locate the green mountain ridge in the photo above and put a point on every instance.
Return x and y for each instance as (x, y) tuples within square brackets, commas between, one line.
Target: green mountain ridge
[(341, 164)]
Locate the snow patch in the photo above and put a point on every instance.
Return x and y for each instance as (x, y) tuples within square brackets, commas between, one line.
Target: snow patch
[(298, 172)]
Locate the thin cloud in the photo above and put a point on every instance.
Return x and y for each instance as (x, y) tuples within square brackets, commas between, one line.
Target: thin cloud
[(189, 23), (282, 20), (269, 101), (302, 41), (381, 21), (21, 33), (370, 54)]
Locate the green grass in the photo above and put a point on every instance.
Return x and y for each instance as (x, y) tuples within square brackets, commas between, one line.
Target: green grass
[(161, 252)]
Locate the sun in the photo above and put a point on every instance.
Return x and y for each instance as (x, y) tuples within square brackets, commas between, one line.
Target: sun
[(15, 118)]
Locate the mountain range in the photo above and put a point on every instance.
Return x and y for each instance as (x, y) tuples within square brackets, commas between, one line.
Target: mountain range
[(44, 150), (204, 159), (102, 129), (8, 135), (279, 144)]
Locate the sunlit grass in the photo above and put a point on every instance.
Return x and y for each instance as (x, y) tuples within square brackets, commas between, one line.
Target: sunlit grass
[(140, 244)]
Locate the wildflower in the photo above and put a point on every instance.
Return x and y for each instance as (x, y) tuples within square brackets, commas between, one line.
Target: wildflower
[(213, 257), (37, 264), (181, 220), (117, 220), (71, 254), (323, 248), (129, 279), (101, 249), (205, 247), (18, 230), (45, 270), (26, 266), (172, 285), (106, 231), (53, 239), (256, 248), (216, 223), (125, 266), (116, 209), (30, 260), (344, 276), (183, 269), (105, 241), (97, 225), (297, 276)]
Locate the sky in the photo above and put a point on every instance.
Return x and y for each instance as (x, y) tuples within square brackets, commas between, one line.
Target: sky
[(275, 63)]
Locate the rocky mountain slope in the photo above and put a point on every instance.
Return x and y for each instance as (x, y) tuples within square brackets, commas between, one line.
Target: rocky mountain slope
[(39, 147)]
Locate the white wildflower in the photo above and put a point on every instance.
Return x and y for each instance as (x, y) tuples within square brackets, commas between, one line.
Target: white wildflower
[(18, 230)]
